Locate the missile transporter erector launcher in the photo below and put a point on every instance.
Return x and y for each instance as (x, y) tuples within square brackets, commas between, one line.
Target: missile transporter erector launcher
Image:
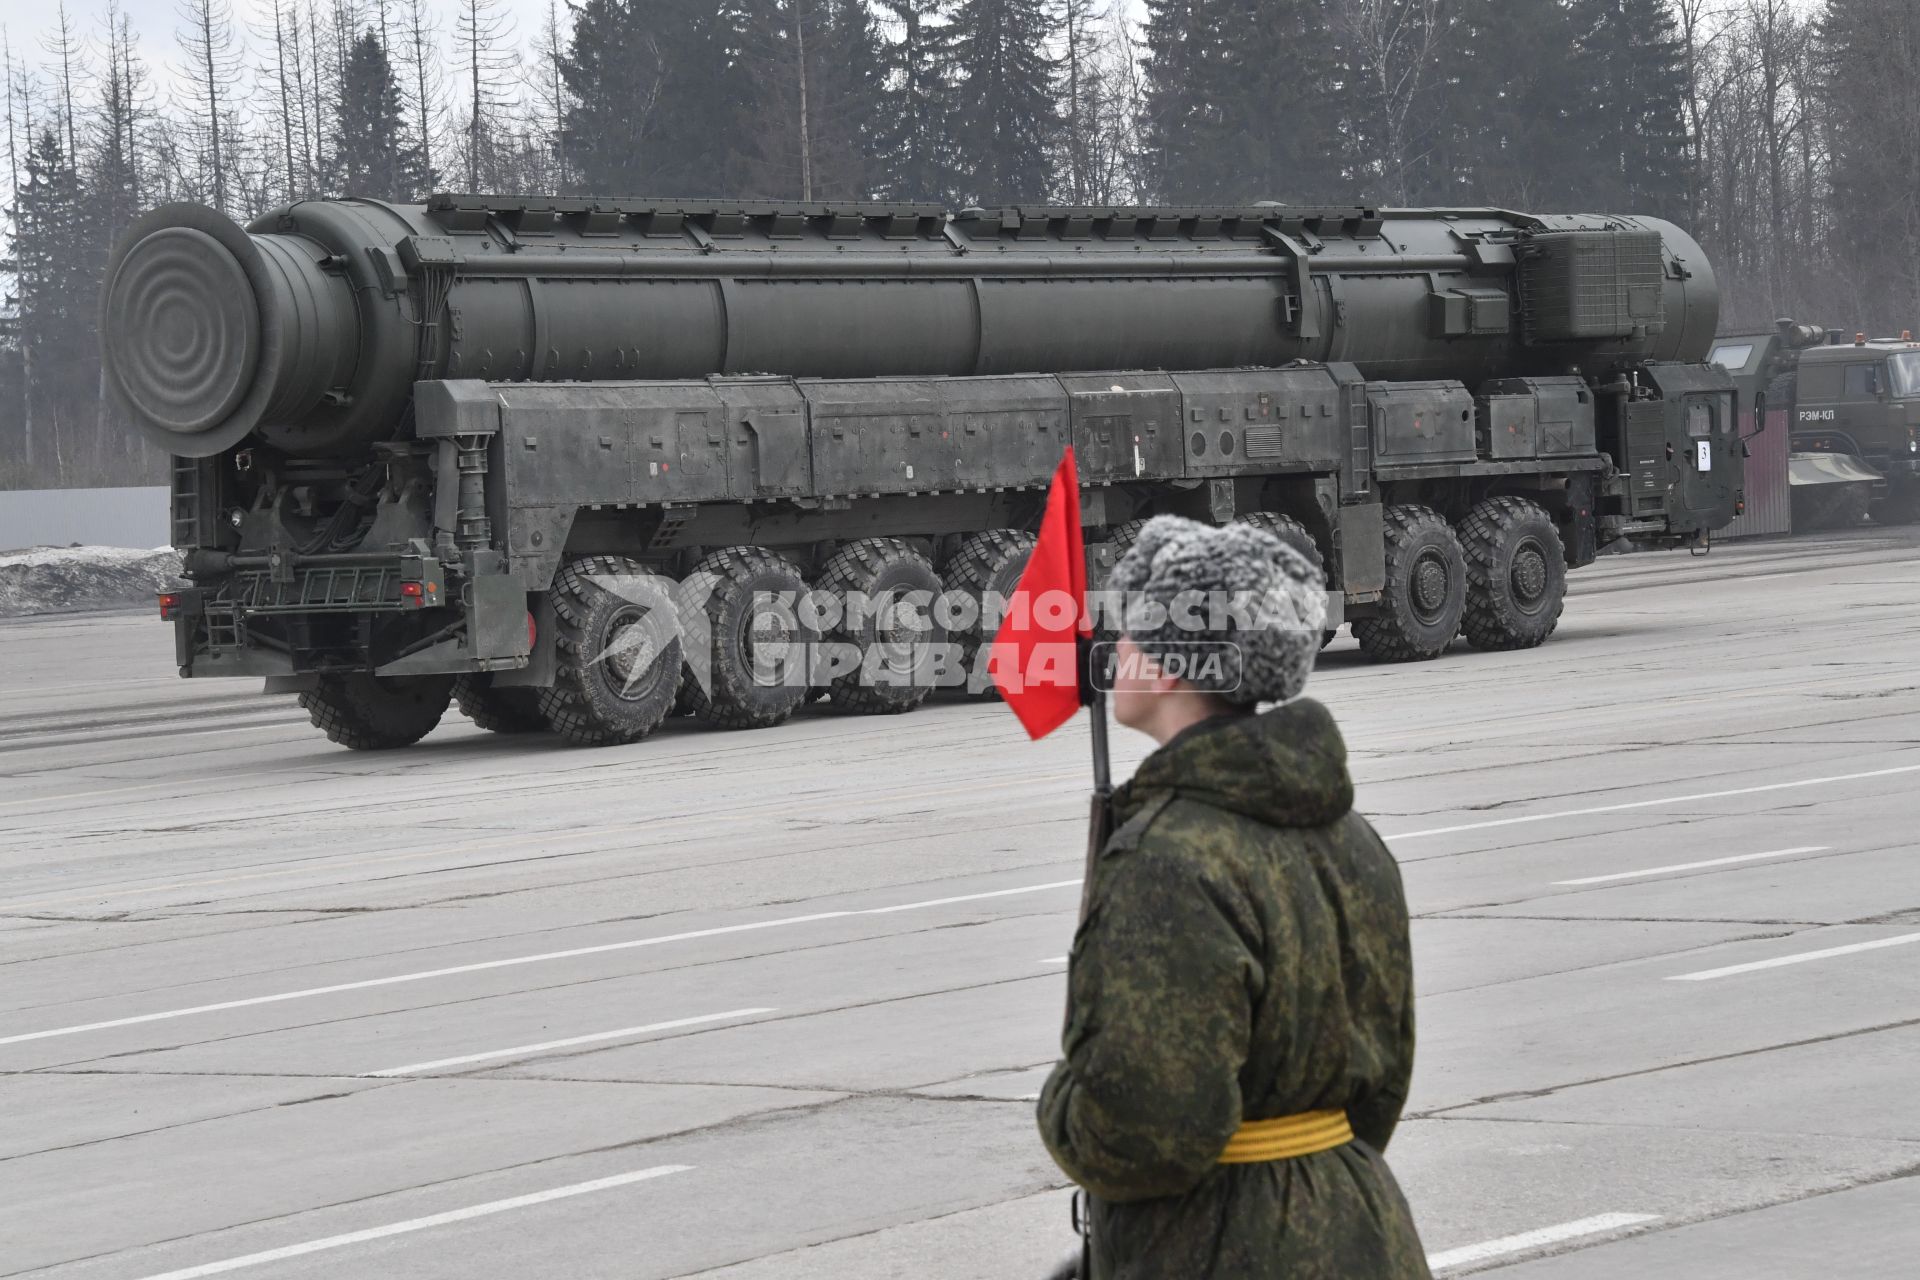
[(417, 447)]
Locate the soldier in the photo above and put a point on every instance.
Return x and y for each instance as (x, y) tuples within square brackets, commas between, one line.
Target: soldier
[(1239, 1031)]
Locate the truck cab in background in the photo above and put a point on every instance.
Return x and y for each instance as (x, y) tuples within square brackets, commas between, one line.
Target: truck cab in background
[(1853, 411), (1863, 398)]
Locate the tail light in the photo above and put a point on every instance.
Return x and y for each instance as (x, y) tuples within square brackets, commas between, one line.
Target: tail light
[(168, 603)]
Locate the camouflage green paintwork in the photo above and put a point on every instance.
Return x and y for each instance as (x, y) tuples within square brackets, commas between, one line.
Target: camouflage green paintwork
[(1244, 955)]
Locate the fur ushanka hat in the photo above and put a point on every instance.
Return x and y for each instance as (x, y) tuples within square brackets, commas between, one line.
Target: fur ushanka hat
[(1179, 572)]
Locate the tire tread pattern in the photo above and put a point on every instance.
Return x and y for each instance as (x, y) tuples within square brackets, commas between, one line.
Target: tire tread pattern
[(514, 710), (1488, 624), (565, 703), (354, 712), (1383, 637), (851, 569), (728, 708), (974, 567)]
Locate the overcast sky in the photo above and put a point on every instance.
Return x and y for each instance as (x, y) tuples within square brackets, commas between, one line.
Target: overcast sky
[(29, 23)]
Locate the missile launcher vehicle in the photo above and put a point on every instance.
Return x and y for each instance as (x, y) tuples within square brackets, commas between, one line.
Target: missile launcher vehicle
[(416, 447)]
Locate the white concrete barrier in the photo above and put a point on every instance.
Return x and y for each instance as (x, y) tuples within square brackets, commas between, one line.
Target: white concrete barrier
[(93, 517)]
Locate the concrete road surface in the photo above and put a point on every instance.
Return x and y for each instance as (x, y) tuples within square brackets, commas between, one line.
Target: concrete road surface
[(758, 1005)]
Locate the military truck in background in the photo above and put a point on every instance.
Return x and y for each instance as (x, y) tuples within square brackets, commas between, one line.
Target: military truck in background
[(415, 443), (1853, 411)]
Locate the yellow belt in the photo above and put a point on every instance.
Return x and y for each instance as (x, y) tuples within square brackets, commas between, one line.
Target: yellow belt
[(1284, 1137)]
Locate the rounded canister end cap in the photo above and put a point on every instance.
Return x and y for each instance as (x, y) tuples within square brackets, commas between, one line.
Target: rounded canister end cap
[(181, 330)]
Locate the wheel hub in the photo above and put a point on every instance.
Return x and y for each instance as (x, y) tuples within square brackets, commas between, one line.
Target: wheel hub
[(894, 634), (631, 654), (1528, 577), (1430, 583), (766, 641)]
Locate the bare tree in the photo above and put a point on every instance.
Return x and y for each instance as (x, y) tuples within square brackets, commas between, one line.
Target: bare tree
[(280, 76), (64, 45), (422, 68), (550, 101), (483, 35), (318, 98), (1699, 23), (19, 130), (211, 71), (13, 142), (1392, 43)]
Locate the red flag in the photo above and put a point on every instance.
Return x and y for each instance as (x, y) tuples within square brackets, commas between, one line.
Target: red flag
[(1035, 659)]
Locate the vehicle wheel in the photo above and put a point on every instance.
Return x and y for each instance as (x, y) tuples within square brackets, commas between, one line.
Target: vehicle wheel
[(756, 649), (513, 710), (1121, 536), (617, 653), (1900, 506), (987, 565), (1829, 506), (1426, 592), (375, 713), (1516, 574), (1295, 535), (895, 630)]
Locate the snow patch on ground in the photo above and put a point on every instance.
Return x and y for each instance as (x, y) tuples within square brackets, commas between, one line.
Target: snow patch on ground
[(58, 579)]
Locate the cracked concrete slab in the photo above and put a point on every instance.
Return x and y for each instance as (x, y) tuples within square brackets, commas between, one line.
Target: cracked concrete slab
[(877, 1123)]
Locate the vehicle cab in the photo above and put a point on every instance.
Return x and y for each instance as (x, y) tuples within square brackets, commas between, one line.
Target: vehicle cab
[(1862, 398)]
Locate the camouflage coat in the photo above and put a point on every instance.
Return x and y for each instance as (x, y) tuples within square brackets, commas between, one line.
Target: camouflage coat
[(1244, 956)]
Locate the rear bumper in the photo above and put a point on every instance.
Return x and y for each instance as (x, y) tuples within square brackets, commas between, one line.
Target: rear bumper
[(387, 615)]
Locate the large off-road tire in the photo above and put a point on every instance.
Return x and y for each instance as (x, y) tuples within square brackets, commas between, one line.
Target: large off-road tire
[(1121, 536), (1290, 531), (617, 667), (892, 676), (1516, 574), (746, 599), (1426, 591), (987, 566), (375, 713), (513, 710), (1900, 506)]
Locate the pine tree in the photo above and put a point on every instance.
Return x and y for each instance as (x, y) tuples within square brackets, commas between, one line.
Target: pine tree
[(1243, 102), (1502, 118), (1632, 94), (812, 70), (56, 264), (1183, 127), (913, 141), (377, 156), (853, 95), (1003, 139), (1870, 65), (653, 108)]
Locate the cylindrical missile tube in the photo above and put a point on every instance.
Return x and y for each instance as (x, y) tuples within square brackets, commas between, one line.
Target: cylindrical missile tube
[(307, 330)]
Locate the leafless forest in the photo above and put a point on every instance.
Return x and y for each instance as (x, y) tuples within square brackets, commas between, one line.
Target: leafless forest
[(1785, 136)]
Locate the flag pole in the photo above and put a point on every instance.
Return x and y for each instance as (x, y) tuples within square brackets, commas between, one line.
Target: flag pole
[(1095, 699), (1100, 812)]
